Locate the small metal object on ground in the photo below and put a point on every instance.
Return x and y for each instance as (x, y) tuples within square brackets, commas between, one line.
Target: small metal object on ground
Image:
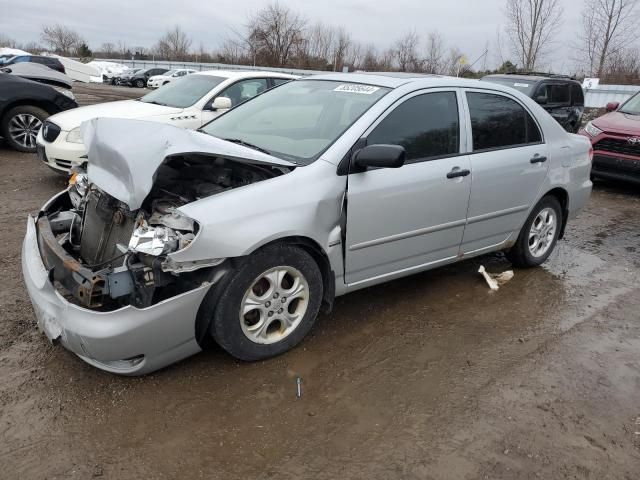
[(298, 387)]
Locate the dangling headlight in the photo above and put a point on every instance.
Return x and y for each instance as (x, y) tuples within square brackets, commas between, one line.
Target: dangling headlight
[(157, 240)]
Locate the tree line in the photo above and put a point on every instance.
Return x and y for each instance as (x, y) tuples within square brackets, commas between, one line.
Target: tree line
[(278, 36)]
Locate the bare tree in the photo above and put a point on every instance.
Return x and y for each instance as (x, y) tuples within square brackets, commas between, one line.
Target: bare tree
[(406, 50), (232, 51), (122, 49), (6, 41), (61, 39), (452, 64), (608, 26), (174, 45), (340, 50), (434, 53), (108, 49), (31, 47), (276, 30), (623, 67), (532, 24)]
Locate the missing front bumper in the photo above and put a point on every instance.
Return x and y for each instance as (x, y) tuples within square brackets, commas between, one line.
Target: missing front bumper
[(163, 333)]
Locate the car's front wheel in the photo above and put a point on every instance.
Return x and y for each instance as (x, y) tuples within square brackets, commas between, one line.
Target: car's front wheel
[(539, 234), (139, 83), (270, 303), (20, 127)]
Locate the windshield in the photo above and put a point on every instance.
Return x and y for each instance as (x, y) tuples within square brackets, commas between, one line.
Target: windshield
[(183, 92), (169, 73), (299, 120), (632, 106), (523, 85)]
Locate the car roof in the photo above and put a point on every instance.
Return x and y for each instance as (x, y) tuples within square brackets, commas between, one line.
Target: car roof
[(531, 78), (244, 74), (397, 79)]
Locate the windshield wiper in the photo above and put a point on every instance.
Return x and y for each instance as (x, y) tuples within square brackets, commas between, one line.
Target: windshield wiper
[(628, 112), (239, 141)]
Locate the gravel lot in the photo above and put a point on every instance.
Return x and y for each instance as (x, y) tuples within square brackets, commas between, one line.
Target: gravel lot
[(429, 377)]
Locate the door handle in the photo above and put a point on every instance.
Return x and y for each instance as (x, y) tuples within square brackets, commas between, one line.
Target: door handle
[(538, 159), (456, 172)]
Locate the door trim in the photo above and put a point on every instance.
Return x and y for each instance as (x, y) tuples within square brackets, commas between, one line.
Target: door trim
[(405, 235), (499, 213)]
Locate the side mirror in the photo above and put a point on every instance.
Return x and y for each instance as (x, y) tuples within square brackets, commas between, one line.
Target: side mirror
[(221, 103), (379, 156), (541, 99), (612, 106)]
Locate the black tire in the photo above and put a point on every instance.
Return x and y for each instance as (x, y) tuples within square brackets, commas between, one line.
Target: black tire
[(40, 114), (139, 83), (520, 254), (226, 327)]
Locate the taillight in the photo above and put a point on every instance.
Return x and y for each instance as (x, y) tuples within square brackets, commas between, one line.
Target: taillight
[(591, 154)]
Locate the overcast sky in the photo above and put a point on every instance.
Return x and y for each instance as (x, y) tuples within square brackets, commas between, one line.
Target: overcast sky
[(467, 24)]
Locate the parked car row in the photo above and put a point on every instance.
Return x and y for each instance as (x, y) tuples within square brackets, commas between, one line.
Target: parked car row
[(305, 190), (190, 102), (27, 97)]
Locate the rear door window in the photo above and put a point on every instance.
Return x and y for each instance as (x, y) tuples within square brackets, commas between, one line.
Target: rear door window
[(500, 122)]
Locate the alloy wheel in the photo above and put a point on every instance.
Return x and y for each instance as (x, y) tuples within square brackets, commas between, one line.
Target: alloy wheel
[(542, 232), (24, 129), (274, 305)]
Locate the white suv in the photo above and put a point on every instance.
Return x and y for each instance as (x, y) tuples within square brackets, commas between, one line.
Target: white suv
[(160, 80), (188, 102)]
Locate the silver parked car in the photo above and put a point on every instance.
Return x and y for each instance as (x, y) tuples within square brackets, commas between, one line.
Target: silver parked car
[(244, 230)]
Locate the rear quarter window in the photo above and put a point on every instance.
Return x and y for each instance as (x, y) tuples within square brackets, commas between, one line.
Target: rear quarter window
[(577, 96)]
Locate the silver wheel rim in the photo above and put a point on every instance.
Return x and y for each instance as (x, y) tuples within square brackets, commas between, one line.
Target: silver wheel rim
[(542, 232), (274, 305), (24, 129)]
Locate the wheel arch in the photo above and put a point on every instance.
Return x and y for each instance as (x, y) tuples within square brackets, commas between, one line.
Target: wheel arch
[(563, 197), (48, 107), (224, 272), (321, 258)]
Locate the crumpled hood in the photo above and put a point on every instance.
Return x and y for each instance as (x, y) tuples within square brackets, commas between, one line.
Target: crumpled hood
[(124, 155)]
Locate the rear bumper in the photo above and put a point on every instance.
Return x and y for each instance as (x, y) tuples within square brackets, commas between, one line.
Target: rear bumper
[(127, 341)]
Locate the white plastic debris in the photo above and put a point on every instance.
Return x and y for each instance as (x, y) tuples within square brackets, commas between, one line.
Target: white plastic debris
[(495, 280)]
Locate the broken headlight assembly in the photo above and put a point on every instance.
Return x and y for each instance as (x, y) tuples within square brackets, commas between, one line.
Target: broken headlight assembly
[(158, 239)]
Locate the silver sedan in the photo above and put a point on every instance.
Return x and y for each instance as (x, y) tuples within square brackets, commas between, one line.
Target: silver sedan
[(244, 230)]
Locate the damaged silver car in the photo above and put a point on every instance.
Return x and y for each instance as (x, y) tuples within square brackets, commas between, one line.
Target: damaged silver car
[(243, 231)]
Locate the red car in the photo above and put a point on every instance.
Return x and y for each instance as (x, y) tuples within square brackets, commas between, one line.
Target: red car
[(616, 141)]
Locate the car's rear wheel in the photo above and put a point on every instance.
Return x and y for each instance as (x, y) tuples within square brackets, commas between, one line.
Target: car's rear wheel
[(20, 127), (270, 303), (539, 234), (139, 83)]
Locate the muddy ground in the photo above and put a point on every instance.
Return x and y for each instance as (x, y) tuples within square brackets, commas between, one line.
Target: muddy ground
[(429, 377)]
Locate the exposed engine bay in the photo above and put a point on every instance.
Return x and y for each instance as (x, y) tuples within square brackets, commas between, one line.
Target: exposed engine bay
[(103, 255)]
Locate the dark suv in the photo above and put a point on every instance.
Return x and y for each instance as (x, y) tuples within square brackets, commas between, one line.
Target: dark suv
[(50, 62), (559, 95), (140, 78)]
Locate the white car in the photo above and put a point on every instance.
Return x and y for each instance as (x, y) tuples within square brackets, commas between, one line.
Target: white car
[(188, 102), (160, 80)]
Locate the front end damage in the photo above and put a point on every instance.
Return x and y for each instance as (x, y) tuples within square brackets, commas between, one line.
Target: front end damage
[(101, 274)]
